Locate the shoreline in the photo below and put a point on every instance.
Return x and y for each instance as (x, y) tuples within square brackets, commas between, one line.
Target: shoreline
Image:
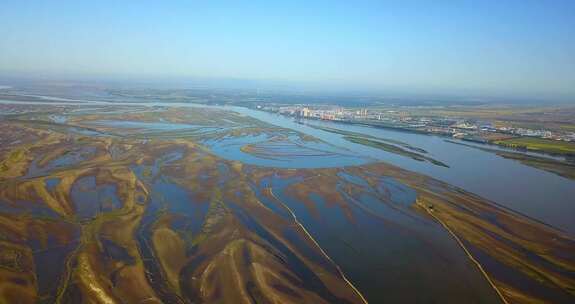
[(566, 156)]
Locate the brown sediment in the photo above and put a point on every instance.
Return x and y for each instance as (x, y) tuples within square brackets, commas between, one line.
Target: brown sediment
[(170, 250), (104, 276), (499, 234), (318, 246), (242, 251), (17, 273), (283, 148), (471, 257), (533, 251)]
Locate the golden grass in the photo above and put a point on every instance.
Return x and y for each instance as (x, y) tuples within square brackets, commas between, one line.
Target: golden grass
[(170, 251), (226, 253)]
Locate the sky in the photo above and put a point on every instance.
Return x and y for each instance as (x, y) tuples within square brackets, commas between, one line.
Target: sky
[(502, 47)]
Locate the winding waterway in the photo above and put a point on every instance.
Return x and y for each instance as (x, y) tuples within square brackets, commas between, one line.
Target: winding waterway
[(536, 193)]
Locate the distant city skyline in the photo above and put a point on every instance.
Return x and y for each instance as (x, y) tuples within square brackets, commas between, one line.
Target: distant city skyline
[(478, 48)]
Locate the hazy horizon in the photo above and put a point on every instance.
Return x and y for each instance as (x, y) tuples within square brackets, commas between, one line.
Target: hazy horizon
[(287, 151), (511, 50)]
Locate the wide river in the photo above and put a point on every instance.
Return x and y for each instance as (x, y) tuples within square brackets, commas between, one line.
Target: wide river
[(536, 193)]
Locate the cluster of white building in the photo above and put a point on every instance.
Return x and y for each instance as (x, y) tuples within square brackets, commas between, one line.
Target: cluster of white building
[(453, 126)]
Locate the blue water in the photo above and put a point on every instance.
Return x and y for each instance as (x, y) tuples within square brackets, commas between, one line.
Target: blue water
[(153, 126), (52, 183), (309, 155), (91, 199), (378, 244), (539, 194)]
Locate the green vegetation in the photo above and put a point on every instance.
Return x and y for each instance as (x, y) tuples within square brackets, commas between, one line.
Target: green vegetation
[(539, 145), (14, 163), (16, 156), (392, 149), (564, 169), (560, 168), (567, 127), (355, 134)]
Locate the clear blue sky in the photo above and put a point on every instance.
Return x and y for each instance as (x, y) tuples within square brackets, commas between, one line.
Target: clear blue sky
[(504, 47)]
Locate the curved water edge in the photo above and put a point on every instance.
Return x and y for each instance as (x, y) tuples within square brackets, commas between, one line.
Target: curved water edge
[(539, 194)]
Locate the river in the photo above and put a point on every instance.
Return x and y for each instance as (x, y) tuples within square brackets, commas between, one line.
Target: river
[(538, 194)]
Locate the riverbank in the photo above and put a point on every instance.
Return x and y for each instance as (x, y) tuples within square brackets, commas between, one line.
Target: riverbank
[(545, 147)]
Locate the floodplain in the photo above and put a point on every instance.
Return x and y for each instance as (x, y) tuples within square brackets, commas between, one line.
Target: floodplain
[(134, 204)]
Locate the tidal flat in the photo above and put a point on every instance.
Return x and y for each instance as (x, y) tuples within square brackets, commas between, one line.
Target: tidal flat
[(162, 204)]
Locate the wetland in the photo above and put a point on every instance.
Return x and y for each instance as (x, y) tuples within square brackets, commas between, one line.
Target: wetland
[(173, 203)]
